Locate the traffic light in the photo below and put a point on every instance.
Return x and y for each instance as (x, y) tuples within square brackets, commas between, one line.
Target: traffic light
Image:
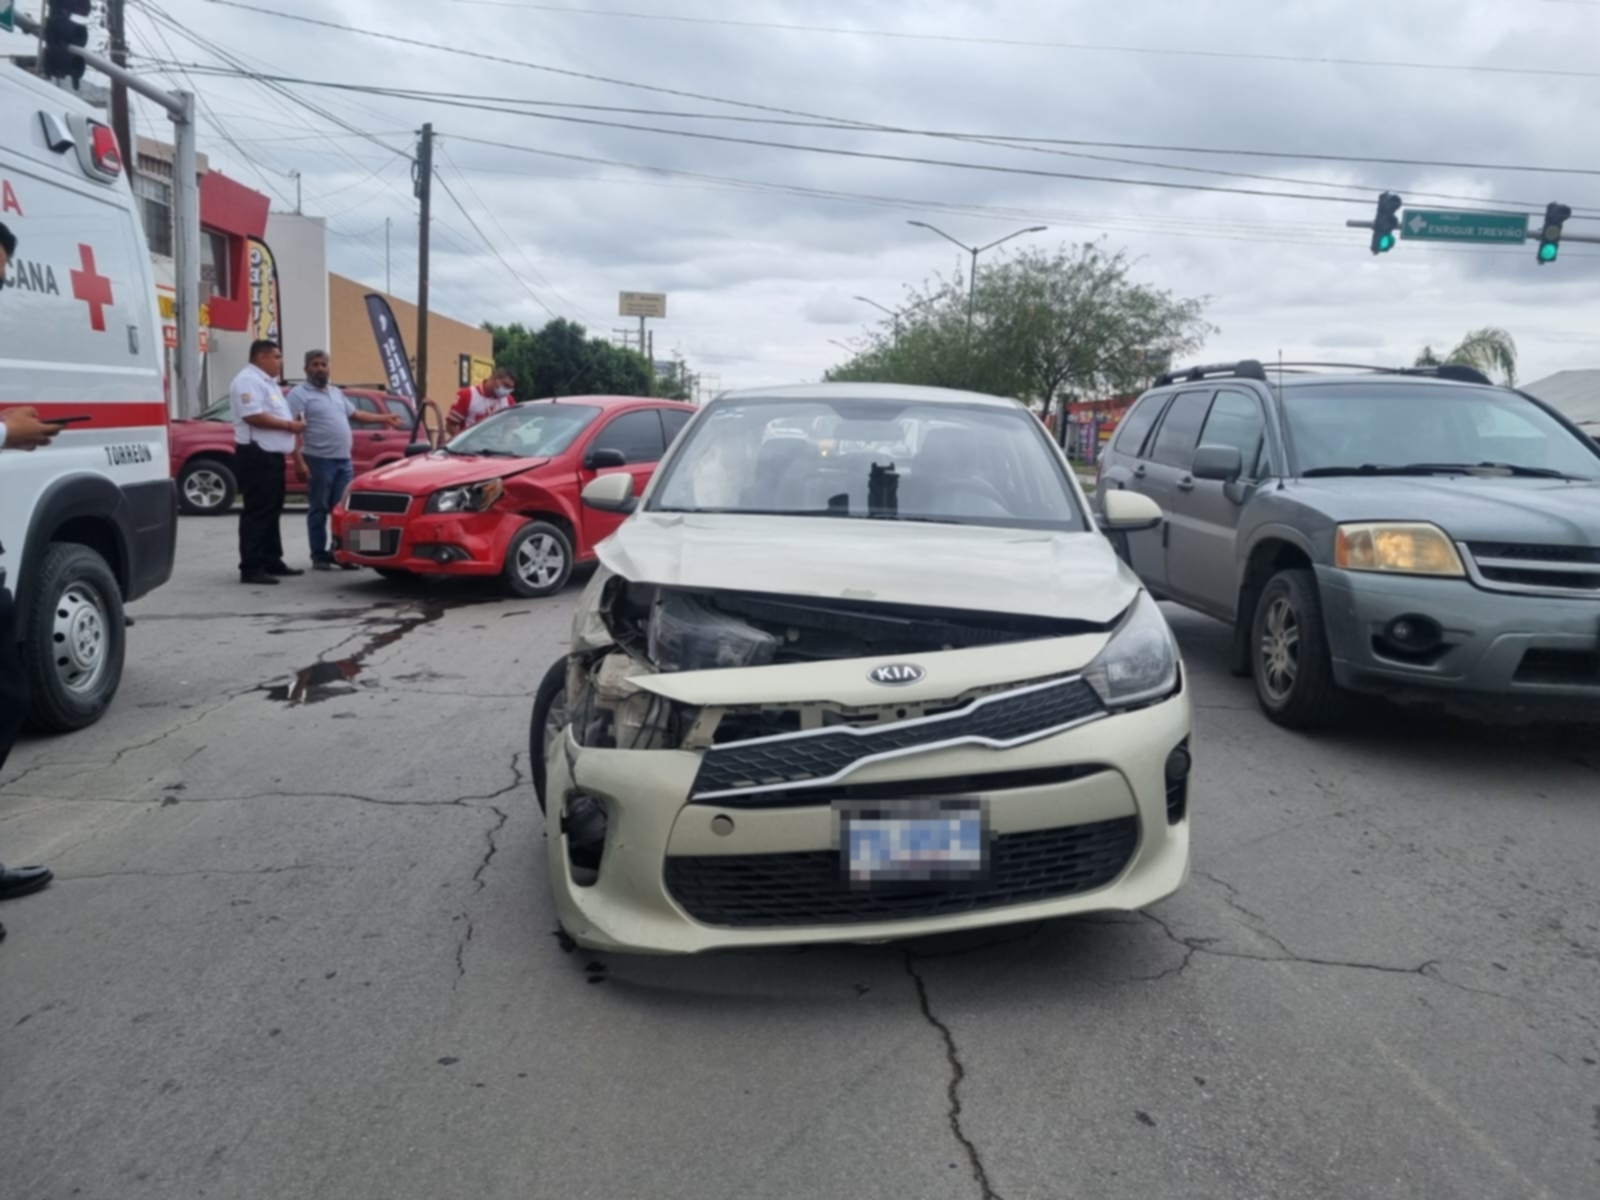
[(1385, 222), (62, 32), (1555, 216)]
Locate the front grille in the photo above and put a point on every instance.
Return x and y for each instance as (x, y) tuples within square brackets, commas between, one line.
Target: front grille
[(807, 888), (379, 502), (1540, 568), (914, 789), (1563, 668), (1003, 719)]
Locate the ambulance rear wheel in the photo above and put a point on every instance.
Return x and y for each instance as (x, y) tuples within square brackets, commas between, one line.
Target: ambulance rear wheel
[(76, 639), (206, 487)]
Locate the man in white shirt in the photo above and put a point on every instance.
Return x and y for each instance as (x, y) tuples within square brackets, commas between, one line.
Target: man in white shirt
[(264, 431)]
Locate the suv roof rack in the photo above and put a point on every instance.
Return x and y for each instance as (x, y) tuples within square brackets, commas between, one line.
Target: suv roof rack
[(1245, 368), (1451, 371)]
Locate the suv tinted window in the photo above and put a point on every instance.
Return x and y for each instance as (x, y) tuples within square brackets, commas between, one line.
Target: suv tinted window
[(636, 434), (674, 419), (1180, 432), (1236, 420), (1136, 426)]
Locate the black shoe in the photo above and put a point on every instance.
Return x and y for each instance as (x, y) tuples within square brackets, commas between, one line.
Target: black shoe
[(283, 570), (322, 564), (258, 577), (23, 881)]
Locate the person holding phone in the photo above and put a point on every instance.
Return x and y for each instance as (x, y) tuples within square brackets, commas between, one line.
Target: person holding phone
[(20, 429), (264, 430)]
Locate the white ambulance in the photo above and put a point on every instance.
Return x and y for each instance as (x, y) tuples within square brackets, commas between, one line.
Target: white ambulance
[(90, 521)]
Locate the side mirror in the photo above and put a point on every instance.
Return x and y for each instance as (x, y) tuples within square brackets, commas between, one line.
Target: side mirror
[(611, 493), (1222, 464), (414, 449), (1129, 512), (602, 459)]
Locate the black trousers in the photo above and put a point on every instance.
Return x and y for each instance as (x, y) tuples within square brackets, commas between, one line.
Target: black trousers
[(262, 482), (13, 683)]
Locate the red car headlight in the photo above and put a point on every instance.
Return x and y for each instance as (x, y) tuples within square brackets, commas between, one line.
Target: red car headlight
[(474, 497)]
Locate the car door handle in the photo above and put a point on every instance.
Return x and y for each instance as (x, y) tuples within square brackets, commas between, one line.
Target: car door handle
[(1186, 484), (1139, 472)]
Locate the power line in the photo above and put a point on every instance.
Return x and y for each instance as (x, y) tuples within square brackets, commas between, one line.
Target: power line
[(492, 248), (1040, 44)]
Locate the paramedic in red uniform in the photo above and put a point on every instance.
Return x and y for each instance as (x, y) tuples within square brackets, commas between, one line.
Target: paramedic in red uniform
[(482, 400)]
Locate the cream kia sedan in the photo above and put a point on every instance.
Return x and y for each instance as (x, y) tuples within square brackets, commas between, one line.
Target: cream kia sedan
[(859, 666)]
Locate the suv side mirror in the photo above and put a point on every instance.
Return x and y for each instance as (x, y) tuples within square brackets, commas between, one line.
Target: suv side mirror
[(1129, 512), (1221, 464), (602, 458), (611, 493)]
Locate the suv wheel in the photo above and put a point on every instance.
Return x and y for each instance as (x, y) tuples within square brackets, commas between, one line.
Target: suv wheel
[(1289, 654), (206, 487), (549, 722), (76, 638)]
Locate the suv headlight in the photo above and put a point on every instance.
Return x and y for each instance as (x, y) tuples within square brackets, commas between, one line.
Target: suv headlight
[(474, 497), (1398, 548), (1141, 661)]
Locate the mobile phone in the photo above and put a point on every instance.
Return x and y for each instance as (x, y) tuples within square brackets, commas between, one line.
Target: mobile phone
[(63, 420)]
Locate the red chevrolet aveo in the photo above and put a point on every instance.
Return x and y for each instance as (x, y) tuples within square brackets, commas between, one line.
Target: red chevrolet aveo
[(502, 497)]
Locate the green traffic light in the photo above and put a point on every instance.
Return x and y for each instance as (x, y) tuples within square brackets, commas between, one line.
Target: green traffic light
[(1386, 243), (1548, 252)]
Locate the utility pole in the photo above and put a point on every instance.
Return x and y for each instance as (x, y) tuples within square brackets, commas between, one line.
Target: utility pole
[(387, 286), (295, 175), (424, 179), (185, 215), (116, 27), (650, 360)]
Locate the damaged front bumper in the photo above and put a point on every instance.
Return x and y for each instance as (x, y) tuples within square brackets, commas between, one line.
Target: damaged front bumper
[(704, 841)]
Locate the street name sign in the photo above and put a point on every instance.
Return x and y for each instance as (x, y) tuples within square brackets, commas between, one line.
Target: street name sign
[(633, 304), (1424, 225)]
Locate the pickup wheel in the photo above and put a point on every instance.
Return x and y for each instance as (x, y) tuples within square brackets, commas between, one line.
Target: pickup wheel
[(206, 487), (549, 722), (1289, 655), (76, 639), (538, 560)]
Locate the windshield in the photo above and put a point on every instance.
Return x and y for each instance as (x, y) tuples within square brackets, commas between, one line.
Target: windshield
[(526, 431), (952, 463), (1333, 427)]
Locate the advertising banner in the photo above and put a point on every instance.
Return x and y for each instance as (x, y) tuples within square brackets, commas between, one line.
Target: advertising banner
[(266, 317), (391, 347)]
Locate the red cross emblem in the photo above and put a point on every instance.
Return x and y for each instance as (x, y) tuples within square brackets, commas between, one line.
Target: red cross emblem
[(93, 288)]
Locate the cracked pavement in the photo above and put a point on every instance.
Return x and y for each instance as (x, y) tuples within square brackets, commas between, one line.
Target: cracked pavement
[(300, 945)]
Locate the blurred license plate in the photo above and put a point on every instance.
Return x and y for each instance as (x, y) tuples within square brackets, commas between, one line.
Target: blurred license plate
[(930, 841), (369, 541)]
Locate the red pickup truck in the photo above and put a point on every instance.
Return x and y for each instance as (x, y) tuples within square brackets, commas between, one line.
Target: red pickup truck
[(202, 450)]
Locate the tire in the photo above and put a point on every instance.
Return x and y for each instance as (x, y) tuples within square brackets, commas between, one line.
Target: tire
[(1289, 655), (206, 487), (76, 639), (538, 560), (393, 574), (551, 697)]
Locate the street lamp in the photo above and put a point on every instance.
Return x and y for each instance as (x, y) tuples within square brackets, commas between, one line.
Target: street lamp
[(842, 346), (894, 314), (972, 283)]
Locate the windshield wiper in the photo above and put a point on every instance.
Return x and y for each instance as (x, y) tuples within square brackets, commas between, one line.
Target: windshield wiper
[(1519, 470), (1438, 469)]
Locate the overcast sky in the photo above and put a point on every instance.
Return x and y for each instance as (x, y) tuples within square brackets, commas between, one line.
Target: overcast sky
[(760, 281)]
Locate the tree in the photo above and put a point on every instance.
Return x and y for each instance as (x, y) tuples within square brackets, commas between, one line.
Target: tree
[(562, 359), (1048, 323), (1488, 350)]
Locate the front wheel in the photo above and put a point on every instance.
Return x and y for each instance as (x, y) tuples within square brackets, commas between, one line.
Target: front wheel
[(549, 722), (1290, 657), (538, 561), (76, 639)]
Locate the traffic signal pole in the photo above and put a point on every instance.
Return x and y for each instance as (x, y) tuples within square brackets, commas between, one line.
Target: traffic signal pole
[(1537, 234), (185, 215)]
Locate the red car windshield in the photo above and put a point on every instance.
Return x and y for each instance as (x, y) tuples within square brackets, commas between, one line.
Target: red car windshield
[(526, 431)]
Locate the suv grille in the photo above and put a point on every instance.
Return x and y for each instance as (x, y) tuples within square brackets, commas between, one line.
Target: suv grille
[(379, 502), (1004, 719), (1509, 567), (770, 890)]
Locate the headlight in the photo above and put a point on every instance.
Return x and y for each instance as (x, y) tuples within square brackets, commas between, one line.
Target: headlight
[(1140, 663), (1397, 547), (474, 497)]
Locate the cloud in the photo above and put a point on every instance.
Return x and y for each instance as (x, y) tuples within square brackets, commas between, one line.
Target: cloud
[(753, 269)]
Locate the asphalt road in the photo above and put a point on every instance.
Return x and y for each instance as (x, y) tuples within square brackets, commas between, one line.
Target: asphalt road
[(306, 950)]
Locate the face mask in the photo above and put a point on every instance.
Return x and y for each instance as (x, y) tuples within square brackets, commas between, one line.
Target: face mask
[(502, 392)]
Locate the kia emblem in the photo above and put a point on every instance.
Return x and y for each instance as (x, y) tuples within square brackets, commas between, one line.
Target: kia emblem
[(897, 674)]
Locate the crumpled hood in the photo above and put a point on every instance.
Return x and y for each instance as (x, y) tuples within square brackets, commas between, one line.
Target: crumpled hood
[(1070, 576), (1549, 512), (428, 473)]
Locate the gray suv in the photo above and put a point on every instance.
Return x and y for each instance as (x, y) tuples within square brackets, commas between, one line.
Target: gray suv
[(1416, 533)]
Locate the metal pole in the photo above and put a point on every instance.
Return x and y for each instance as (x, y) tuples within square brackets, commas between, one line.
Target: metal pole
[(388, 287), (972, 294), (186, 259), (116, 27), (296, 175), (425, 194)]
